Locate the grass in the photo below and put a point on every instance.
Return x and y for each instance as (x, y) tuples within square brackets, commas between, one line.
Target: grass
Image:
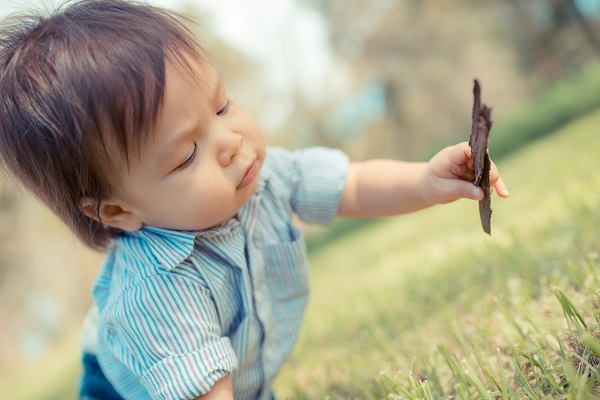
[(426, 306)]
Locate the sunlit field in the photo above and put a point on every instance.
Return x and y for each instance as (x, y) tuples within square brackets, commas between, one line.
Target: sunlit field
[(427, 306)]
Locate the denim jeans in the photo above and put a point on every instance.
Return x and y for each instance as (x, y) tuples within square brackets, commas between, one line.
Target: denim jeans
[(94, 385)]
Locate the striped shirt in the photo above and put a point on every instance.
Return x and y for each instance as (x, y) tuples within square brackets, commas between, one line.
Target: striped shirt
[(180, 310)]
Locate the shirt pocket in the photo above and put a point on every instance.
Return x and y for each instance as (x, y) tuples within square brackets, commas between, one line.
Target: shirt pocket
[(286, 268), (286, 272)]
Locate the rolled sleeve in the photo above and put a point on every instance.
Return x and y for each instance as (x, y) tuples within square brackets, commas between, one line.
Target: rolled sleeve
[(189, 375), (321, 179), (166, 330)]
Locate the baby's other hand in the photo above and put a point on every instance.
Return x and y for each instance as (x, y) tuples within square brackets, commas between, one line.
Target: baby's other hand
[(449, 175)]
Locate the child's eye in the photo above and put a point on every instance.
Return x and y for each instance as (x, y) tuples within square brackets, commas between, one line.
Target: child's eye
[(224, 109), (189, 160)]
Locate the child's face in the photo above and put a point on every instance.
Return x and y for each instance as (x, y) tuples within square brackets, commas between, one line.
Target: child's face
[(201, 164)]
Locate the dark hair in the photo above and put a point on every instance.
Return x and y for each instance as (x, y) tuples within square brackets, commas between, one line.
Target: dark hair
[(79, 91)]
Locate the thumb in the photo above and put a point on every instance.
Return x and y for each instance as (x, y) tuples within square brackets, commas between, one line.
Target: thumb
[(467, 190)]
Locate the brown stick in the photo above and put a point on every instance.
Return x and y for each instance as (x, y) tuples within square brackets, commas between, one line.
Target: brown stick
[(481, 125)]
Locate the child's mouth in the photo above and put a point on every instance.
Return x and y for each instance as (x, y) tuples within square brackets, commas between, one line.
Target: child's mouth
[(250, 174)]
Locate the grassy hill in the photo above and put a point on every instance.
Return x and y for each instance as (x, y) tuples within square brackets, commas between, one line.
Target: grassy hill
[(427, 306)]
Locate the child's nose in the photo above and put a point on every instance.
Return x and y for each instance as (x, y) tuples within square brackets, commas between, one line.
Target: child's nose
[(230, 144)]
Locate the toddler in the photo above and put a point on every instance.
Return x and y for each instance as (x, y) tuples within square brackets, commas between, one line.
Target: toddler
[(113, 115)]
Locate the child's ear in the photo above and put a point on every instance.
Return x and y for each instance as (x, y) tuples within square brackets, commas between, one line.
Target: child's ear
[(111, 214)]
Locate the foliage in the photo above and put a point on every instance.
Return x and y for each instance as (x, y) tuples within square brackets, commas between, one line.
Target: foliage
[(426, 53), (427, 306), (556, 106)]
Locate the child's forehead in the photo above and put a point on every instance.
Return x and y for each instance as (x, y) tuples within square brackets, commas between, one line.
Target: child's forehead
[(194, 73)]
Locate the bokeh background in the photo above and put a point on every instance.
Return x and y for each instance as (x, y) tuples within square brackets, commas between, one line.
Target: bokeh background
[(377, 78)]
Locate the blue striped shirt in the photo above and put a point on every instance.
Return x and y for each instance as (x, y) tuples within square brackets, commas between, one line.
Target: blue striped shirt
[(180, 310)]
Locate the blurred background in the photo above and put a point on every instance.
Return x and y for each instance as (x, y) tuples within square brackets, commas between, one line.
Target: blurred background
[(377, 78)]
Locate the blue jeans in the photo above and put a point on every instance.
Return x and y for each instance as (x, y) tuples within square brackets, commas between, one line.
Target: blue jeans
[(94, 385)]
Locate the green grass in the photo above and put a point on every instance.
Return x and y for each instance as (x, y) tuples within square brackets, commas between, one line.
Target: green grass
[(426, 306)]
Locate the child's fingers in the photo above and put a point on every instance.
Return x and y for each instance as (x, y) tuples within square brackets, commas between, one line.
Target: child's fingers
[(459, 162), (468, 175), (497, 182), (460, 153), (501, 188)]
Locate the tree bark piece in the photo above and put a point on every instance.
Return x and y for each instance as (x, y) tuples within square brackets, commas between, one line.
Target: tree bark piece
[(478, 141)]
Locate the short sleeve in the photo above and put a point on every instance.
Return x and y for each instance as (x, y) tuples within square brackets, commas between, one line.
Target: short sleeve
[(321, 179), (166, 329)]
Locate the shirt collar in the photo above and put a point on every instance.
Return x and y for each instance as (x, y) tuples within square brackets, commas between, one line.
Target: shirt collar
[(171, 247)]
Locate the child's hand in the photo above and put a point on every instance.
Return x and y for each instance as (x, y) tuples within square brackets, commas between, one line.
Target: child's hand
[(449, 175)]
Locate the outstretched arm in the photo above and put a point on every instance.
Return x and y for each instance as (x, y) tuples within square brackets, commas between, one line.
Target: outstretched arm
[(378, 188)]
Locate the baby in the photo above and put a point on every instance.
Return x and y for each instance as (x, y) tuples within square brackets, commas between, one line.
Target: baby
[(113, 115)]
